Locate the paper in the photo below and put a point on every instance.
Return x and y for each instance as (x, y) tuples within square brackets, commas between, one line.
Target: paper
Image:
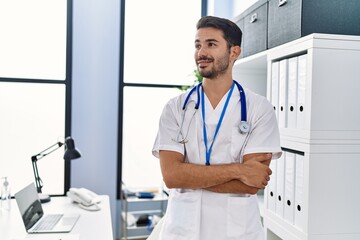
[(50, 237), (280, 183), (302, 108), (275, 87), (271, 188), (289, 193), (299, 192), (292, 92), (283, 89)]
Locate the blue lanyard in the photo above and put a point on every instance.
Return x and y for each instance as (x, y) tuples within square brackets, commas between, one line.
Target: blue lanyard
[(208, 151)]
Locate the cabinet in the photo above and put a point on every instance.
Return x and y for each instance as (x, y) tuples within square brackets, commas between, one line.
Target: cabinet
[(133, 207), (292, 19), (253, 23), (270, 23), (313, 84)]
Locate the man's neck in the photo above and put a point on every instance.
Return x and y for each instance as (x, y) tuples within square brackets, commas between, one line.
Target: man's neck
[(215, 89)]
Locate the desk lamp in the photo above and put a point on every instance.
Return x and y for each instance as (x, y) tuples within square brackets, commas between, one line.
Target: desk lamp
[(70, 153)]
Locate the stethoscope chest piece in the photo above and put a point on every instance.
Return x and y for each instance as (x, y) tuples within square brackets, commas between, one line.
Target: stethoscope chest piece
[(244, 127)]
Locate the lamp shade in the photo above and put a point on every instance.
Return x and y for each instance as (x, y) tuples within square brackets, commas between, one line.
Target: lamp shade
[(70, 151)]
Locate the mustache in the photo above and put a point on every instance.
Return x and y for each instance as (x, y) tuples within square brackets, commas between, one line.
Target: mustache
[(202, 58)]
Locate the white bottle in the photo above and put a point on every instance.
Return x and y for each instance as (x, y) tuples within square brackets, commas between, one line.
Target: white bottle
[(6, 195)]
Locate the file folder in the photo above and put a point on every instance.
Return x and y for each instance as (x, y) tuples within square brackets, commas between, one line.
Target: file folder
[(299, 215), (289, 192), (302, 109), (275, 87), (280, 179), (271, 188), (292, 92), (283, 68)]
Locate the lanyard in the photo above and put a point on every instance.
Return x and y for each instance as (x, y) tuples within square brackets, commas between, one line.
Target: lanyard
[(208, 151)]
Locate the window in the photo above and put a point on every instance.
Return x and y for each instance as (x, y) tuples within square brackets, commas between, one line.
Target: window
[(158, 56), (34, 87)]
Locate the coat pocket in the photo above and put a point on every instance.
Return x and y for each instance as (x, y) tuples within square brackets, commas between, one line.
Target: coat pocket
[(243, 217), (182, 216)]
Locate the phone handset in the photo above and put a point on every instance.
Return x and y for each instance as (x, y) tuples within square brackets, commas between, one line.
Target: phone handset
[(85, 198)]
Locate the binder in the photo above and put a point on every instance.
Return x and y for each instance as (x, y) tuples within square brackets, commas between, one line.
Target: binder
[(302, 108), (289, 191), (292, 92), (299, 215), (283, 68), (271, 188), (275, 87), (280, 179)]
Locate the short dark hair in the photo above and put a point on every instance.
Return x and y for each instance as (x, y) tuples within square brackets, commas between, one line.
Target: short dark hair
[(232, 32)]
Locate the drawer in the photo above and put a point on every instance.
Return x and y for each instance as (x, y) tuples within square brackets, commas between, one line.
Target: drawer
[(255, 29), (292, 19)]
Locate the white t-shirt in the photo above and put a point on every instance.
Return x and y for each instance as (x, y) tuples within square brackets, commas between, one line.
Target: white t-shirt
[(200, 214)]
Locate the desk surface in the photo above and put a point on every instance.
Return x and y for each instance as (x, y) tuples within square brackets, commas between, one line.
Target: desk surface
[(91, 224)]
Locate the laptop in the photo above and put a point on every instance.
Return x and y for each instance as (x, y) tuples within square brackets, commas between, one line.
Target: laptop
[(33, 216)]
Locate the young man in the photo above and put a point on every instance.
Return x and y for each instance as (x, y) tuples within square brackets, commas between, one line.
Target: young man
[(215, 156)]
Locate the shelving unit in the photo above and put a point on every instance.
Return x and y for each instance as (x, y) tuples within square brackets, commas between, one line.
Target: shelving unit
[(137, 207), (316, 179)]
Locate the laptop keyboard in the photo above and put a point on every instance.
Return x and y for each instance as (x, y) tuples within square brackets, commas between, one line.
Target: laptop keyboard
[(48, 222)]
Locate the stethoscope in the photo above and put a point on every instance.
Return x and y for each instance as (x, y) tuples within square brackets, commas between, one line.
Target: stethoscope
[(244, 126)]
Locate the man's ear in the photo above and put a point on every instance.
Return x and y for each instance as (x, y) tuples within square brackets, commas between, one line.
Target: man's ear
[(235, 52)]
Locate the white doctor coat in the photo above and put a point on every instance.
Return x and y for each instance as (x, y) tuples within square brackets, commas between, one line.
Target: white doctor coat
[(204, 215)]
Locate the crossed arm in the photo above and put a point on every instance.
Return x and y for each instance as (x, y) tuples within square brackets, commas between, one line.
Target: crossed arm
[(246, 178)]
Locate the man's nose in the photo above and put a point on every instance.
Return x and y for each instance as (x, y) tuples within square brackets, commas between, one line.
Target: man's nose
[(201, 53)]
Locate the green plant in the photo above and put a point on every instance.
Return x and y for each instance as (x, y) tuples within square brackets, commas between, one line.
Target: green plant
[(198, 79)]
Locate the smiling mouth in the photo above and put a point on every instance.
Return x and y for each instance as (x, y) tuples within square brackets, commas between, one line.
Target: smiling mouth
[(202, 62)]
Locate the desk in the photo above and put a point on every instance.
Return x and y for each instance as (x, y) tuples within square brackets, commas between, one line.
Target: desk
[(91, 225)]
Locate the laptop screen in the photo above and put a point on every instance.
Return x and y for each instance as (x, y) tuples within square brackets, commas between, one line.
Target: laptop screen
[(29, 205)]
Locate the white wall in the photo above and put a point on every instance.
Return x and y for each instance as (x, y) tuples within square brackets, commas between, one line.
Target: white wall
[(228, 8), (241, 5), (95, 96)]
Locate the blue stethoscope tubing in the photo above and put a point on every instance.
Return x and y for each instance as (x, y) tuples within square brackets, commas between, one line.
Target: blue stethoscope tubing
[(244, 126)]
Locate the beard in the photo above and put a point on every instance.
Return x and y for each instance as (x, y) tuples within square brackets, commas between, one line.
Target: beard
[(220, 67)]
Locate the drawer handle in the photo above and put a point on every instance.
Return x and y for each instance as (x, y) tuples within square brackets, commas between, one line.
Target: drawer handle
[(282, 2), (253, 18)]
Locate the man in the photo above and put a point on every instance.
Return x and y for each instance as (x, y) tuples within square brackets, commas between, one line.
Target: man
[(213, 169)]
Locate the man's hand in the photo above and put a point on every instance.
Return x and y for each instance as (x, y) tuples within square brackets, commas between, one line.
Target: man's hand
[(255, 170), (264, 158)]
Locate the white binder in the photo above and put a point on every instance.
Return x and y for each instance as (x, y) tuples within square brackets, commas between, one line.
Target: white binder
[(280, 179), (292, 92), (302, 109), (299, 218), (289, 193), (283, 67), (271, 188), (275, 87)]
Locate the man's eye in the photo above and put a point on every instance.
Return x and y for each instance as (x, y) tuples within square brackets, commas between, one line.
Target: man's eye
[(197, 46)]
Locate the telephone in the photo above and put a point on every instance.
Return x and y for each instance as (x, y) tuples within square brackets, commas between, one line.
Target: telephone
[(86, 199)]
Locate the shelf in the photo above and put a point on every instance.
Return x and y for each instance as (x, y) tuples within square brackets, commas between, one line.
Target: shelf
[(135, 207), (256, 62), (304, 76)]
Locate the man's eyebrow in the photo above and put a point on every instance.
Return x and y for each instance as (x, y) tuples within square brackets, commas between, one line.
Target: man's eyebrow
[(207, 40), (211, 40)]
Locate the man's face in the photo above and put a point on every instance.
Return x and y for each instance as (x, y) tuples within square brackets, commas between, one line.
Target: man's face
[(212, 55)]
